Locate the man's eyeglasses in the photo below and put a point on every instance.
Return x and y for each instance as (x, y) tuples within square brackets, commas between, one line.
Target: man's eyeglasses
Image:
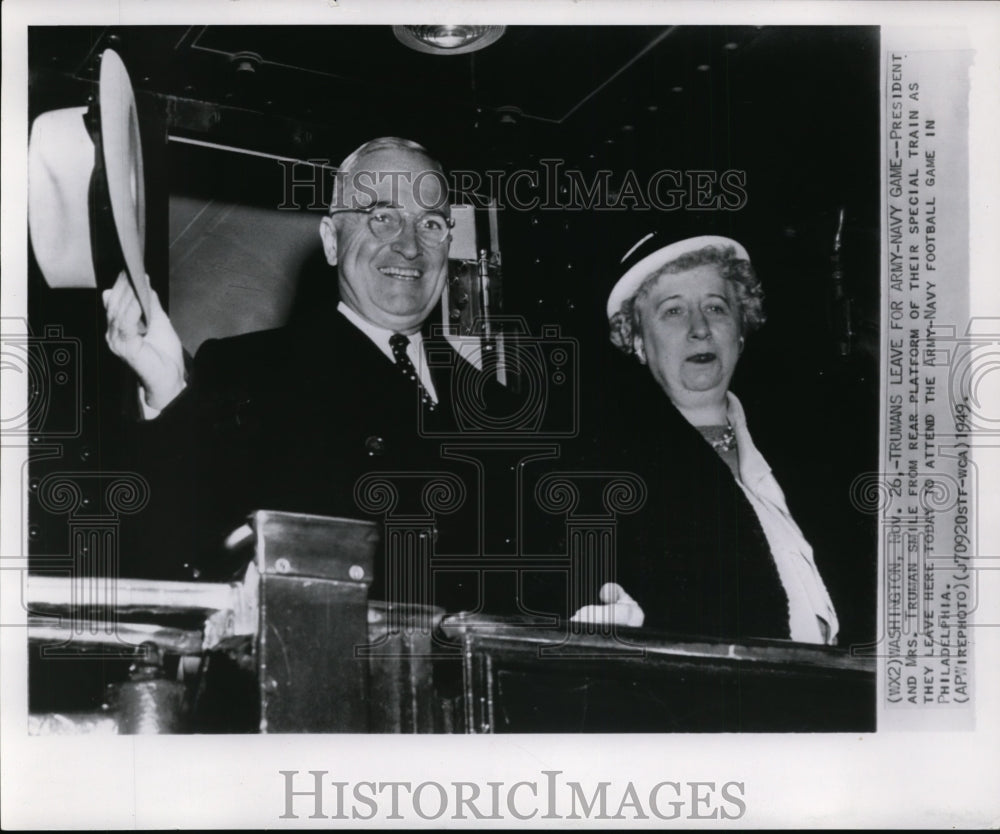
[(386, 223)]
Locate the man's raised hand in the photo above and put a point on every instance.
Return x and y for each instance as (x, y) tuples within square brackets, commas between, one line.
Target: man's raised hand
[(152, 350)]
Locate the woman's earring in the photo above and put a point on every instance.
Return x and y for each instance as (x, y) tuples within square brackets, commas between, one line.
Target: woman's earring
[(742, 342)]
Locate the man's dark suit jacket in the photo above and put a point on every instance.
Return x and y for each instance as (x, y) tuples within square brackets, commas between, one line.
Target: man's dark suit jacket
[(291, 420)]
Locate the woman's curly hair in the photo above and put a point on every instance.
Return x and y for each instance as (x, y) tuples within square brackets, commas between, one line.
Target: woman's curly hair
[(625, 324)]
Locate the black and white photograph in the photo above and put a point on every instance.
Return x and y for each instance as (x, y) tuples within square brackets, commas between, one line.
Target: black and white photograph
[(613, 388)]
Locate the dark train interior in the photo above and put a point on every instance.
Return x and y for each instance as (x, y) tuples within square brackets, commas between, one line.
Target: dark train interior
[(585, 138)]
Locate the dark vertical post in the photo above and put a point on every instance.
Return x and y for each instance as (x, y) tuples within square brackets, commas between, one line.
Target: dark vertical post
[(315, 574)]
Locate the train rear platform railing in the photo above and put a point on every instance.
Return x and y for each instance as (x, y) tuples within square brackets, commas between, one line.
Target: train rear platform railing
[(296, 646)]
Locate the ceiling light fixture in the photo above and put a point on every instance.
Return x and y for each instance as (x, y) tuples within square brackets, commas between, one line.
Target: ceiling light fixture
[(447, 40)]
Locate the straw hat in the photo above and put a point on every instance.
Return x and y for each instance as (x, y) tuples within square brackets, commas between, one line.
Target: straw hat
[(78, 158), (650, 253)]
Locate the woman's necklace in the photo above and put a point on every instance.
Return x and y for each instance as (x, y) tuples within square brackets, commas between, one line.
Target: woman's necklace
[(726, 442)]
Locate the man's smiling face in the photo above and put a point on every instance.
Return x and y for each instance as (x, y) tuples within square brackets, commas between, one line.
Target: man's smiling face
[(391, 283)]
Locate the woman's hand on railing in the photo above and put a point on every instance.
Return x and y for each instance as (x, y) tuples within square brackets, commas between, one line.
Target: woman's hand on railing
[(618, 608)]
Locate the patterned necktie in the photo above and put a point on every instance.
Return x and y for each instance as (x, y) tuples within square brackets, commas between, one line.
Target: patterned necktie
[(398, 343)]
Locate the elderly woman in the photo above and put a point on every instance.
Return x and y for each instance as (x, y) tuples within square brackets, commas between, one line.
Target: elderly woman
[(715, 550)]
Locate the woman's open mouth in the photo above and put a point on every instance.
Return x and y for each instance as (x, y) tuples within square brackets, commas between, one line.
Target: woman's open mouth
[(702, 358)]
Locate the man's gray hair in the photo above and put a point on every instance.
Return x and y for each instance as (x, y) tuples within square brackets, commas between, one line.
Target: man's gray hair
[(352, 162)]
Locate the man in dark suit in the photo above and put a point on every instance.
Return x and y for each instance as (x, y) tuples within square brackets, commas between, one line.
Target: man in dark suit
[(305, 419)]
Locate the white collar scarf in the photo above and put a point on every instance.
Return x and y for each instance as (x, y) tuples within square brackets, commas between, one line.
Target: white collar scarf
[(808, 598)]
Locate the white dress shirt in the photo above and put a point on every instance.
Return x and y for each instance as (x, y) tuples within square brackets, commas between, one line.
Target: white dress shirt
[(380, 336)]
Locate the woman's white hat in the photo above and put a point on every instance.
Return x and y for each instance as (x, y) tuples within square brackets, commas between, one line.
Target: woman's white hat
[(649, 253), (62, 206)]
